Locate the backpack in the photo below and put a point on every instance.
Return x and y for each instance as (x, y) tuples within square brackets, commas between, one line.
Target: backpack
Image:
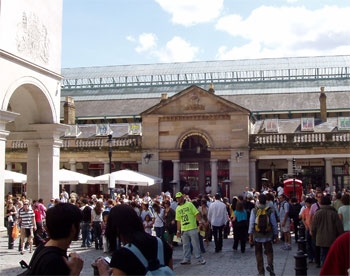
[(34, 261), (87, 213), (153, 267), (262, 220)]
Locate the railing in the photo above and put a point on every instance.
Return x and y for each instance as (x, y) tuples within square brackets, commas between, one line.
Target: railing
[(68, 143), (298, 138)]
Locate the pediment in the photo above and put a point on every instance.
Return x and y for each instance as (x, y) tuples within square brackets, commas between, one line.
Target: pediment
[(195, 100)]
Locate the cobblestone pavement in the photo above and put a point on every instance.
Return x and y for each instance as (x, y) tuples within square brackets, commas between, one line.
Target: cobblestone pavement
[(226, 262)]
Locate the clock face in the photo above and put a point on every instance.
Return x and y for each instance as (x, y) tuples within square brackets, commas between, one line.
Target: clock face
[(33, 38)]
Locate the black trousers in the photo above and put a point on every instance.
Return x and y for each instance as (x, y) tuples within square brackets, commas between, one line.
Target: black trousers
[(217, 233), (240, 235)]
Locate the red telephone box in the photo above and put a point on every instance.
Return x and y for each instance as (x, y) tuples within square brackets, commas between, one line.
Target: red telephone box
[(289, 187)]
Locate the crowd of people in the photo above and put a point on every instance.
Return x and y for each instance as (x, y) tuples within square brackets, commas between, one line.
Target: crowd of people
[(260, 218)]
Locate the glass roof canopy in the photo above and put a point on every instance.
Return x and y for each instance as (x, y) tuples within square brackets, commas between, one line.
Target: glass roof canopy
[(205, 72)]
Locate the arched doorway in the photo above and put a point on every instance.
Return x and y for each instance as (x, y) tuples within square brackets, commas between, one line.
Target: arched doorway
[(36, 124), (194, 163)]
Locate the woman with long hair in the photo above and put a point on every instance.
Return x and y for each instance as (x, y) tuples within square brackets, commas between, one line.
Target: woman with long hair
[(241, 226), (124, 224), (96, 223), (170, 223), (158, 220), (10, 216)]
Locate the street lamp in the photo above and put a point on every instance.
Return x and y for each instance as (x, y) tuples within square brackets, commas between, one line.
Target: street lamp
[(294, 172), (110, 145)]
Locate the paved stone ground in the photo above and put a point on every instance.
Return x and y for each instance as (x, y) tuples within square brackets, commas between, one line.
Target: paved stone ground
[(226, 262)]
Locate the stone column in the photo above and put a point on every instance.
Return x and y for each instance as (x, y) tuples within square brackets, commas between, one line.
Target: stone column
[(176, 174), (32, 170), (3, 135), (290, 166), (8, 186), (160, 174), (214, 176), (49, 162), (329, 173), (105, 167), (5, 117), (252, 173), (73, 165)]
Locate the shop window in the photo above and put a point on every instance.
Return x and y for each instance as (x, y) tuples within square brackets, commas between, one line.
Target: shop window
[(307, 124), (344, 123), (271, 125)]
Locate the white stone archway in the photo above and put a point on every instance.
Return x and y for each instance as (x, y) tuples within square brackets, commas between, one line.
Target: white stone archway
[(30, 64)]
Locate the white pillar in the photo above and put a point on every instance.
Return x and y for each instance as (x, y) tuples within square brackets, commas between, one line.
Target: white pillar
[(329, 173), (32, 170), (8, 186), (73, 165), (5, 117), (106, 167), (176, 174), (214, 176), (252, 173), (49, 163), (3, 135), (290, 166)]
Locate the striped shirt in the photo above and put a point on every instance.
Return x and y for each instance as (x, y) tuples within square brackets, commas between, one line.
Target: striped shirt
[(26, 218)]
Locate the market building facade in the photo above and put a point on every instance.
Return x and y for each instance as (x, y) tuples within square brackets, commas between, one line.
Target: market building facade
[(226, 125)]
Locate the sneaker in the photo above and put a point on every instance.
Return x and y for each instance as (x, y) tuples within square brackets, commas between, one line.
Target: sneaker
[(270, 270), (22, 252), (202, 262), (185, 262)]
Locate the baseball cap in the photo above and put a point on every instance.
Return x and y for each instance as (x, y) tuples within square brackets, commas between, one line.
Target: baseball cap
[(179, 194)]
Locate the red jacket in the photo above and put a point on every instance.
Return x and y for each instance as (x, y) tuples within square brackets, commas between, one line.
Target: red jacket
[(338, 257)]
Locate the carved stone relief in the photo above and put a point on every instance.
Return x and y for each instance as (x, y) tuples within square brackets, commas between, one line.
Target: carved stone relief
[(33, 38)]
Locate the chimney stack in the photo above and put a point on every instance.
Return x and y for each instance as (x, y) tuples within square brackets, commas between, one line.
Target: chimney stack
[(69, 111), (211, 88), (164, 97), (323, 105)]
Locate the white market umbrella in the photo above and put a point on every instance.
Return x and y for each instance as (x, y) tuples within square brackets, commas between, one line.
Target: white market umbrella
[(127, 177), (67, 177), (15, 177)]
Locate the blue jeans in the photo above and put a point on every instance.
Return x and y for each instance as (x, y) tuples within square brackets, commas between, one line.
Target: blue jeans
[(309, 246), (191, 237), (159, 232), (98, 234), (86, 233)]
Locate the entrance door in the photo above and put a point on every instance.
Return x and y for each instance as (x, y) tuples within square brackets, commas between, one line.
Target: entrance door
[(193, 157)]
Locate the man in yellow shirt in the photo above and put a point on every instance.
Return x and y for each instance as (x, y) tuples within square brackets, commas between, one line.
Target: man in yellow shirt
[(187, 216)]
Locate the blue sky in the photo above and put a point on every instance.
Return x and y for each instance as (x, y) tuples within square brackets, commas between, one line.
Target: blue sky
[(112, 32)]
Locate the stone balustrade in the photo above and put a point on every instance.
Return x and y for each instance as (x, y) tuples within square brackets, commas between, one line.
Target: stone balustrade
[(298, 138), (134, 141)]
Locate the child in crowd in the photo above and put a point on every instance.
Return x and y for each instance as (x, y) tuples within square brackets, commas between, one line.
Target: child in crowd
[(148, 224)]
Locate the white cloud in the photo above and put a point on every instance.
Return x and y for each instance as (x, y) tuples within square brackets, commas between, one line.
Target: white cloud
[(177, 50), (130, 38), (147, 41), (287, 31), (191, 12)]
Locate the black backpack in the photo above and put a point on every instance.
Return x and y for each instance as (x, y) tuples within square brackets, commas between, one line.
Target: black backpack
[(262, 220), (87, 214), (34, 261)]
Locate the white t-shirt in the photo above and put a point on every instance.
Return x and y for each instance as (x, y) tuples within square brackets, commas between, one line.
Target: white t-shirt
[(147, 229), (159, 219)]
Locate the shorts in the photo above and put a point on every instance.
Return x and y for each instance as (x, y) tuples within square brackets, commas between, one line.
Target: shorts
[(26, 233), (286, 227)]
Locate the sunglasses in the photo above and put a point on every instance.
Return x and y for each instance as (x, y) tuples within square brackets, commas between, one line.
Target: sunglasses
[(25, 204)]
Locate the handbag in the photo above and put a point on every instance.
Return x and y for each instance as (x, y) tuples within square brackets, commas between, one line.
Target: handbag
[(15, 231)]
